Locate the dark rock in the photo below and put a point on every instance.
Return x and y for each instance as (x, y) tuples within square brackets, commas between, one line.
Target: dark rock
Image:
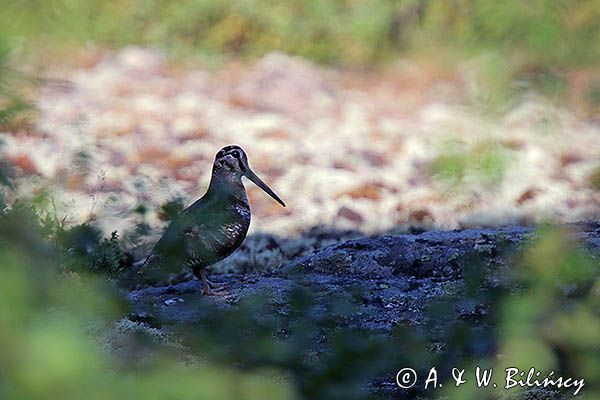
[(144, 318), (391, 282), (409, 268)]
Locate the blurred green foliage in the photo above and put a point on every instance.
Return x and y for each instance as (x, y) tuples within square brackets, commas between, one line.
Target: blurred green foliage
[(482, 163), (557, 32), (543, 32), (92, 252), (595, 178), (548, 318), (46, 318), (525, 44), (12, 104)]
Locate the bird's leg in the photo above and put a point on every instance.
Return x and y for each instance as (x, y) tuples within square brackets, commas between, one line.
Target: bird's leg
[(200, 273)]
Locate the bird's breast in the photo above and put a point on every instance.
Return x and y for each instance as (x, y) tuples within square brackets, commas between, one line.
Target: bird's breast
[(243, 211), (231, 232)]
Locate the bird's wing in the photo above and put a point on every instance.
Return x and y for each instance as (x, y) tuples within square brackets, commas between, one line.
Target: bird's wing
[(169, 254), (198, 232), (208, 238)]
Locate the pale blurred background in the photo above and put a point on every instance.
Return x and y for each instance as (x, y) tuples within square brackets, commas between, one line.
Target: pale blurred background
[(367, 115)]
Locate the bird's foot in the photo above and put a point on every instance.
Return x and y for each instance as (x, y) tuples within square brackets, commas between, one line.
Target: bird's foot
[(213, 291), (207, 286), (216, 285), (211, 288)]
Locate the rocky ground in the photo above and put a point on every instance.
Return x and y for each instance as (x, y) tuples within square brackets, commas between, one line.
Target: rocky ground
[(400, 274), (390, 280)]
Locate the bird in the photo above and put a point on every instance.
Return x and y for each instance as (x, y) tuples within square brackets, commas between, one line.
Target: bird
[(215, 225)]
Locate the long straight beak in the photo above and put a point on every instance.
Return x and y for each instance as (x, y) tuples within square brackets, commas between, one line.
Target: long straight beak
[(254, 178)]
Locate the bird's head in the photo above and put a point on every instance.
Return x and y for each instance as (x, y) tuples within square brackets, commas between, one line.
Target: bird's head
[(231, 163)]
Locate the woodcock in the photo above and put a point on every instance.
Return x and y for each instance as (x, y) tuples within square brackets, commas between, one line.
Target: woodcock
[(215, 225)]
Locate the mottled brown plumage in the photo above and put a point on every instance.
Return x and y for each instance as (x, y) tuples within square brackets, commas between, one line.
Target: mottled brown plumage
[(215, 225)]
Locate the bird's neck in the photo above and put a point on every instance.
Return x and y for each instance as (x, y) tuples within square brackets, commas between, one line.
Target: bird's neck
[(227, 187)]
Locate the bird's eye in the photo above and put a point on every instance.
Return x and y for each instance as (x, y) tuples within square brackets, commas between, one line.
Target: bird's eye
[(236, 154)]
